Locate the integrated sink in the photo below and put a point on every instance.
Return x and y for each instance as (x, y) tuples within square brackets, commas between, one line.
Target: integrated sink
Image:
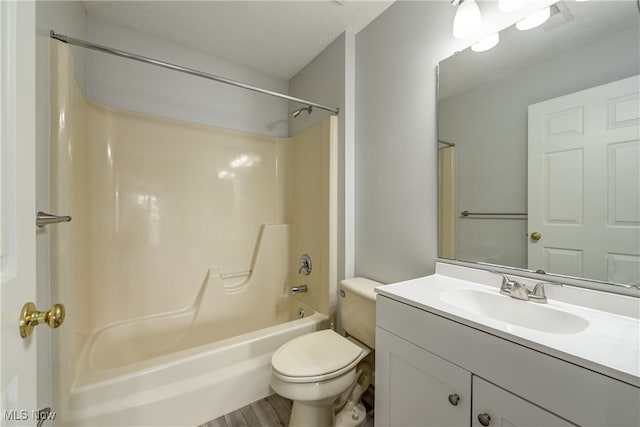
[(592, 329), (526, 314)]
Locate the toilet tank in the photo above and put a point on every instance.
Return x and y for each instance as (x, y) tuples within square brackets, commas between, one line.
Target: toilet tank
[(358, 309)]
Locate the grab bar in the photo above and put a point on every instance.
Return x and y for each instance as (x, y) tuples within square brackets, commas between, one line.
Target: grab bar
[(467, 213)]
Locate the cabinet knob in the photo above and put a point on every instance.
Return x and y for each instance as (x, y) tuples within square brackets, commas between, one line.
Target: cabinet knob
[(484, 419), (454, 399)]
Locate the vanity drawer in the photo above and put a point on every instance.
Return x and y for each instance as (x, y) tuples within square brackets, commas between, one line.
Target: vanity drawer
[(577, 394)]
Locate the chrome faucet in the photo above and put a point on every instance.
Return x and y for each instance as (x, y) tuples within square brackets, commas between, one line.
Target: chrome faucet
[(518, 290), (298, 289)]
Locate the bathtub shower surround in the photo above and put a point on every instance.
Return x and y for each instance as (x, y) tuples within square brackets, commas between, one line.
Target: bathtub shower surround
[(177, 266)]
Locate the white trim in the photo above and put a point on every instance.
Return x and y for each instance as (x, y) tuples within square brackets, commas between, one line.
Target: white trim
[(7, 141), (348, 117)]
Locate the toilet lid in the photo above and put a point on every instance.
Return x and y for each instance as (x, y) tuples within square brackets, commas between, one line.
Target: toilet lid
[(315, 354)]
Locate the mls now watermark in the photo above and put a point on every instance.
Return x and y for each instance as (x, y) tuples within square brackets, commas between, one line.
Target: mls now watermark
[(25, 415)]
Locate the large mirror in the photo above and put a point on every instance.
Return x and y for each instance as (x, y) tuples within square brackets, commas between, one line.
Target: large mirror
[(539, 146)]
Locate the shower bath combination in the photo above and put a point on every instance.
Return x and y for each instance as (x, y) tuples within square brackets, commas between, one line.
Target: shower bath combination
[(145, 336)]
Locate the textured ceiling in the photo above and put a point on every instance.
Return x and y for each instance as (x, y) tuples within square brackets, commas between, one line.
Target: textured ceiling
[(275, 37)]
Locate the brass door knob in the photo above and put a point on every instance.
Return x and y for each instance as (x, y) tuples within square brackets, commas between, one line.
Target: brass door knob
[(535, 236), (30, 318)]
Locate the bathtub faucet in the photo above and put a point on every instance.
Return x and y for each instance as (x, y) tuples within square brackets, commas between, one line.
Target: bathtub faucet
[(298, 289)]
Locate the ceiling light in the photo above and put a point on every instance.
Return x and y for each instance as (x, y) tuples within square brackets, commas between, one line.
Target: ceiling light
[(534, 20), (509, 5), (486, 43), (468, 20)]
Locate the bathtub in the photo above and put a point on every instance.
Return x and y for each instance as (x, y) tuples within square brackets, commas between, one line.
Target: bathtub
[(190, 386)]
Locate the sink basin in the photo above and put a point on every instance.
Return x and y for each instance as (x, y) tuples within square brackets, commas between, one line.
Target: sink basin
[(526, 314)]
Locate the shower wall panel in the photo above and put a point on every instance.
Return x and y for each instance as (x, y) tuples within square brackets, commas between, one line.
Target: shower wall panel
[(172, 199)]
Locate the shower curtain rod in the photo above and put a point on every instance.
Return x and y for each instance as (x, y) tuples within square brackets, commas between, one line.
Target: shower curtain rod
[(123, 54)]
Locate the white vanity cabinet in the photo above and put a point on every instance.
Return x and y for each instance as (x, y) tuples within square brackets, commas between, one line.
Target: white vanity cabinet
[(493, 406), (417, 387), (422, 358), (414, 387)]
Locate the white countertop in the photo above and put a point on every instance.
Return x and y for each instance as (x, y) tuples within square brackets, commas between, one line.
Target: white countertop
[(609, 344)]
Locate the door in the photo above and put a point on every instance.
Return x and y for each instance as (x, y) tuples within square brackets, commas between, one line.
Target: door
[(417, 388), (584, 183), (18, 372), (493, 406)]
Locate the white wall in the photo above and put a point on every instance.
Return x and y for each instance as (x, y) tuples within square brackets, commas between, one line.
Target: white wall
[(67, 18), (502, 150), (329, 79), (134, 86), (396, 157)]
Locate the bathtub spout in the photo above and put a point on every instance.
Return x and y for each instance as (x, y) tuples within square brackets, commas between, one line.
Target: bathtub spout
[(298, 289)]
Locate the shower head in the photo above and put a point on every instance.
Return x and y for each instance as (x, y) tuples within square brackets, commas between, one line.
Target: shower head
[(300, 110)]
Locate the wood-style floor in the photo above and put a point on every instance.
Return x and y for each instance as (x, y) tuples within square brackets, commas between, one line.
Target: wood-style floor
[(272, 411)]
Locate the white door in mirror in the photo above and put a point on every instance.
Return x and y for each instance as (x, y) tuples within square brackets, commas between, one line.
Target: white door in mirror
[(588, 224)]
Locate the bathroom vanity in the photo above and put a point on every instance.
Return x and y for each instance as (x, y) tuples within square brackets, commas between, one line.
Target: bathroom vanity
[(451, 350)]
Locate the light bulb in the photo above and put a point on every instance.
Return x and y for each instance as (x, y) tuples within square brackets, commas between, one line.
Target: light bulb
[(534, 20), (468, 20), (486, 43)]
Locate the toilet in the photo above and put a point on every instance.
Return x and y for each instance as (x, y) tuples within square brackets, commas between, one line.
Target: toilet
[(323, 372)]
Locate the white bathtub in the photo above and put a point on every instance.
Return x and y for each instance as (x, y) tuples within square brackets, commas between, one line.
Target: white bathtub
[(191, 386)]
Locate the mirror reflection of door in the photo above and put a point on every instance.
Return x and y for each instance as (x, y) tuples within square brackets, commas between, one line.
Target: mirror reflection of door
[(588, 222)]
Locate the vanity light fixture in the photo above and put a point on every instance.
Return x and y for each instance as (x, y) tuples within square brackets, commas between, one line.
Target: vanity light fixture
[(534, 20), (468, 20), (486, 43), (509, 5)]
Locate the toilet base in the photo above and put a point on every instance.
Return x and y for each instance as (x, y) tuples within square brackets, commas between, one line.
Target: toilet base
[(354, 416), (304, 415)]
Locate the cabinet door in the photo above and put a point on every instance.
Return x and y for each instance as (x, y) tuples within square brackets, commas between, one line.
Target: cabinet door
[(493, 406), (417, 388)]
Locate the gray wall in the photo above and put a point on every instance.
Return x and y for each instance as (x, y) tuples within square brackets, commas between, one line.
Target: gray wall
[(134, 86), (396, 158)]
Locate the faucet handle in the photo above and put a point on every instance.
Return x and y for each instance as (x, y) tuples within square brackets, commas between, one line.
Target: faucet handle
[(507, 285), (538, 294), (305, 265), (538, 290)]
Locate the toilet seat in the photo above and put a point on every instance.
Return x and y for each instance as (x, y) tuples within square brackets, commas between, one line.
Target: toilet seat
[(318, 356)]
